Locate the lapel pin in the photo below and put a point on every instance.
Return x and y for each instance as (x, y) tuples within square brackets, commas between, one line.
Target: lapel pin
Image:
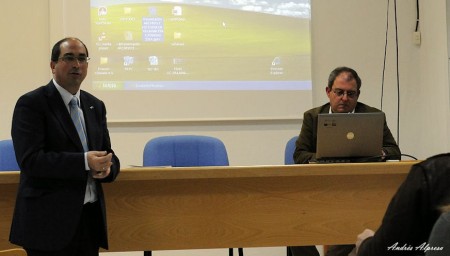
[(91, 107)]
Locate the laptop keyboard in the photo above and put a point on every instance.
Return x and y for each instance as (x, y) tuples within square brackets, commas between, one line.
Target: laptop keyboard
[(349, 160)]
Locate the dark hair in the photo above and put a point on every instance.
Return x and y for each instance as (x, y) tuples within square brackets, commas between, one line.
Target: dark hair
[(56, 51), (337, 71)]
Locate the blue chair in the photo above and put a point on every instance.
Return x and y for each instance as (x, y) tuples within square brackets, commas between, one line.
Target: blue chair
[(289, 159), (186, 151), (289, 151), (8, 160)]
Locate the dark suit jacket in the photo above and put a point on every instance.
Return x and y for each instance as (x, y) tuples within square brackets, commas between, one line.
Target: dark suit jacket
[(53, 176), (306, 143)]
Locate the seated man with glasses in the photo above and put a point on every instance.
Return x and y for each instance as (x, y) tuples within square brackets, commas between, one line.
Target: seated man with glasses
[(343, 91)]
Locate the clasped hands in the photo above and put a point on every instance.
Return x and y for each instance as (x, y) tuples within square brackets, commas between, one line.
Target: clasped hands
[(99, 163)]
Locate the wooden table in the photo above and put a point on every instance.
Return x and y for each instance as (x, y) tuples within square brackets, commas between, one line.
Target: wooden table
[(224, 207)]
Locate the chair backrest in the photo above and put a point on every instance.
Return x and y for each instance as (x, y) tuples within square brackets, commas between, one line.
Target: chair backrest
[(439, 235), (185, 151), (289, 151), (8, 160)]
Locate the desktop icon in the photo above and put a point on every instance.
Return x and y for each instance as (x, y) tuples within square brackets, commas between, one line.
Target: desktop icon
[(177, 11), (102, 36), (152, 11), (126, 10), (128, 35), (176, 35), (153, 60), (276, 61), (102, 11), (103, 60), (128, 60)]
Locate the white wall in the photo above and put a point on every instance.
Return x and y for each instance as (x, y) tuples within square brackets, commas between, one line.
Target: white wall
[(344, 32), (352, 32), (24, 49)]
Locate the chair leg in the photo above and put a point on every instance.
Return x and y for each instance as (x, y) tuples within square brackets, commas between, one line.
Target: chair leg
[(230, 251), (241, 251), (147, 253)]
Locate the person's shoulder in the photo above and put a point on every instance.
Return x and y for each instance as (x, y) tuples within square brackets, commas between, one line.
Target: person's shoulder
[(441, 160), (37, 92), (436, 168), (318, 110), (361, 107)]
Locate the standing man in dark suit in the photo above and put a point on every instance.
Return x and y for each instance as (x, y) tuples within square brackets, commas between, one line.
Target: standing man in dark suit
[(343, 92), (64, 152)]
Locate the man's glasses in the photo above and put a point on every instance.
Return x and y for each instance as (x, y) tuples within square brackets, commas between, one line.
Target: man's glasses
[(72, 59), (350, 94)]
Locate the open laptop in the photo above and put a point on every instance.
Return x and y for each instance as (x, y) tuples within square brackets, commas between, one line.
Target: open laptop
[(349, 137)]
